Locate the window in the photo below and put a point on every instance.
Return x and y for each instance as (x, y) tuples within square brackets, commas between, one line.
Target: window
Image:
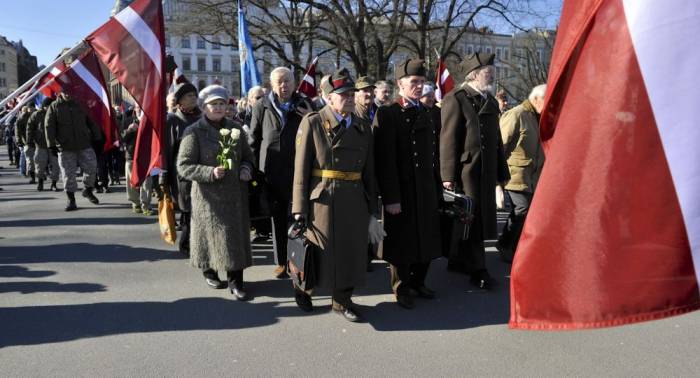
[(470, 49), (201, 64), (2, 66), (185, 42), (201, 43), (216, 65), (3, 83), (506, 54), (488, 50), (215, 44), (499, 53), (186, 63), (539, 54)]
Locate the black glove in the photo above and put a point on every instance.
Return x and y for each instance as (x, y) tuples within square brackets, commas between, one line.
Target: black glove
[(54, 150)]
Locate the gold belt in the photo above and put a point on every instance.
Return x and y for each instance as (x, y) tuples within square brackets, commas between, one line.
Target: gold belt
[(338, 175)]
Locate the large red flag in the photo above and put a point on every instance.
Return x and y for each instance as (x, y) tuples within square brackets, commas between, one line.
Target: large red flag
[(605, 242), (307, 87), (84, 82), (50, 87), (131, 45)]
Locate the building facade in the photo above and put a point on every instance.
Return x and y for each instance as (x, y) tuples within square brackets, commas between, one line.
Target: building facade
[(8, 68)]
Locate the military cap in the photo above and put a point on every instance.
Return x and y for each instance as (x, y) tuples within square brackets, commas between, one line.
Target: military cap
[(341, 81), (182, 89), (410, 67), (326, 86), (213, 92), (364, 82), (476, 60)]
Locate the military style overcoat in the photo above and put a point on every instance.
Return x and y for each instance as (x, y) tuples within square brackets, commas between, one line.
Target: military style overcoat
[(337, 211), (406, 152), (471, 151)]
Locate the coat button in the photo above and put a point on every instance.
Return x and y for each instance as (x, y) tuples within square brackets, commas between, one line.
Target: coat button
[(336, 160), (414, 142), (408, 120), (415, 154)]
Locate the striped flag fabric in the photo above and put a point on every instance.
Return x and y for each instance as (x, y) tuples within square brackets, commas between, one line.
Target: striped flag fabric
[(307, 86), (131, 45), (50, 87), (84, 82), (444, 82), (613, 233)]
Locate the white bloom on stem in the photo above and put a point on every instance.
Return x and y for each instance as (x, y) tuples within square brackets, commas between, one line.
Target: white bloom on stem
[(224, 132), (235, 134)]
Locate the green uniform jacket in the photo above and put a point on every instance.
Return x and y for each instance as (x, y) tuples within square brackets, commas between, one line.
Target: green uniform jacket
[(21, 128), (68, 127), (36, 133), (521, 141)]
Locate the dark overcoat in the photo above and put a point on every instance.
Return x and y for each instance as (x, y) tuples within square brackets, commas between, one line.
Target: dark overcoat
[(272, 140), (471, 151), (337, 211), (175, 125), (220, 225), (407, 164)]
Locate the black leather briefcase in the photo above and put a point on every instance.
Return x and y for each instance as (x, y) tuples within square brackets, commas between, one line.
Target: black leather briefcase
[(300, 257), (456, 215)]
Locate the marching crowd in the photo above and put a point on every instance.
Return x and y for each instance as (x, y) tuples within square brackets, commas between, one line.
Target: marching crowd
[(362, 170)]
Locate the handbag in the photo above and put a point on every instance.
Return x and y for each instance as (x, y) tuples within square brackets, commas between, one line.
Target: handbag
[(300, 257), (456, 217), (166, 218)]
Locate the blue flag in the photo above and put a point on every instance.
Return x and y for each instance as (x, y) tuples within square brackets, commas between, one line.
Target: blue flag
[(249, 71)]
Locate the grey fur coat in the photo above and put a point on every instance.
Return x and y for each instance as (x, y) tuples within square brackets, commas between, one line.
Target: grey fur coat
[(220, 225)]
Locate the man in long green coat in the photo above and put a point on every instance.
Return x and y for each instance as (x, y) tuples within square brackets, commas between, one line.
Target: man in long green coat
[(334, 191)]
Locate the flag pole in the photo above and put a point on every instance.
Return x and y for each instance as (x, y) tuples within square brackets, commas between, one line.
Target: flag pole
[(25, 100), (39, 75)]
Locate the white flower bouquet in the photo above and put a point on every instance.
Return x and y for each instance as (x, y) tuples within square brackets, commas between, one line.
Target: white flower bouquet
[(228, 143)]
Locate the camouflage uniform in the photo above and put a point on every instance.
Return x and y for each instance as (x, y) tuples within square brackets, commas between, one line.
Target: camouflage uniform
[(43, 158), (70, 161)]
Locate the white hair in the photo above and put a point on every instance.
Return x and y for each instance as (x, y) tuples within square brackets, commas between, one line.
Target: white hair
[(537, 92), (253, 90), (281, 71)]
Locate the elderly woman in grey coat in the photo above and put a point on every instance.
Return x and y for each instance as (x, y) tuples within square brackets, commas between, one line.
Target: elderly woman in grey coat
[(215, 156)]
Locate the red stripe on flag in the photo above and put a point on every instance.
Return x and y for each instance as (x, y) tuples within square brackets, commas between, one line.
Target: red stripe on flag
[(604, 243)]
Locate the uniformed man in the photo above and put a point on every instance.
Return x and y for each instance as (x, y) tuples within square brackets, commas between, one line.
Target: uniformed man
[(36, 134), (472, 159), (334, 192), (409, 183), (26, 149), (382, 93), (70, 133)]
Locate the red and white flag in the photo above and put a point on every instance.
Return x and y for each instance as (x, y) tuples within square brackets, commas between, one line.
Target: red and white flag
[(84, 82), (613, 233), (53, 88), (444, 82), (307, 87), (131, 45)]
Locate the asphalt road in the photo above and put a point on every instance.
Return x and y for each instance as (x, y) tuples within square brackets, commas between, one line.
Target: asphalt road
[(97, 293)]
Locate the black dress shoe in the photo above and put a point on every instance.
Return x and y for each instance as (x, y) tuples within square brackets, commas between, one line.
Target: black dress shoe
[(405, 301), (423, 292), (215, 284), (240, 294), (303, 301), (349, 314)]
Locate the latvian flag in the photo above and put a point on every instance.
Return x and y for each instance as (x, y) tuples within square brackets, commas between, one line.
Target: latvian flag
[(613, 234), (307, 87), (131, 46), (444, 82)]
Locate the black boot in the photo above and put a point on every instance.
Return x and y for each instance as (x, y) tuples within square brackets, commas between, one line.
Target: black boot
[(71, 202), (40, 187), (54, 187), (33, 176), (87, 193)]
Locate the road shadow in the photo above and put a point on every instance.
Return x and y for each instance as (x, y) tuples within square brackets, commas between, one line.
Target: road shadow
[(8, 199), (78, 221), (83, 252), (8, 271), (34, 325), (29, 287)]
